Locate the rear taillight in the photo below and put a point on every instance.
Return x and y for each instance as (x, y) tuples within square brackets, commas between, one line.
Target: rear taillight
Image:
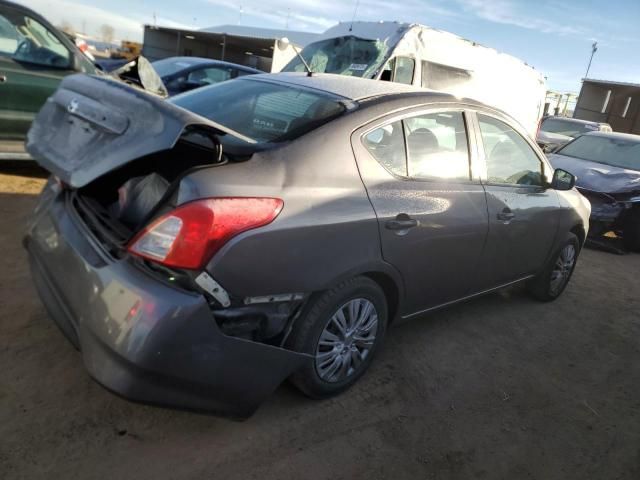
[(190, 235)]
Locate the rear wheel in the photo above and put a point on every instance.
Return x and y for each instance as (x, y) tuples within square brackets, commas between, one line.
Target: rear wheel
[(552, 281), (342, 328)]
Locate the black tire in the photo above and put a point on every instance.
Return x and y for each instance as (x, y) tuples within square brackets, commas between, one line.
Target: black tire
[(541, 287), (305, 335), (631, 231)]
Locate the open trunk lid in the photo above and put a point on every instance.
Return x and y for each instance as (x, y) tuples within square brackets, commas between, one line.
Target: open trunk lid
[(92, 125), (140, 72)]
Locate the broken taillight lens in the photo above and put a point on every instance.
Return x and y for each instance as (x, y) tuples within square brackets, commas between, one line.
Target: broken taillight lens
[(190, 235)]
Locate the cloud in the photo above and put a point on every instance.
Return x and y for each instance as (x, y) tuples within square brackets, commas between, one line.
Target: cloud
[(507, 12), (318, 15), (85, 16)]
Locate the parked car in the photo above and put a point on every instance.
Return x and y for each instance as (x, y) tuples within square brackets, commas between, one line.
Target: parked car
[(34, 57), (607, 166), (554, 132), (181, 74), (201, 250)]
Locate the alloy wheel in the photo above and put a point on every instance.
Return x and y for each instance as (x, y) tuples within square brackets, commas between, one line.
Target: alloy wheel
[(563, 268), (347, 340)]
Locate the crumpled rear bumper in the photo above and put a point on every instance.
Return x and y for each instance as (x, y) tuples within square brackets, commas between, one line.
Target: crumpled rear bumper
[(141, 338)]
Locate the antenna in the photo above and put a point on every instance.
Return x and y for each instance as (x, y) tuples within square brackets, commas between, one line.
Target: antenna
[(355, 11), (286, 41)]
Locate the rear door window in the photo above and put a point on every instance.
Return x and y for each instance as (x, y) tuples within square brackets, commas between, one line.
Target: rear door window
[(387, 146), (437, 146), (429, 146)]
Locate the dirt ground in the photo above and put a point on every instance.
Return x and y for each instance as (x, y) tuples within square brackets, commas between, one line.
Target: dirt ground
[(498, 388)]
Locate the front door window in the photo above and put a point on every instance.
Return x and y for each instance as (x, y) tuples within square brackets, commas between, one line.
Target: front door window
[(27, 40)]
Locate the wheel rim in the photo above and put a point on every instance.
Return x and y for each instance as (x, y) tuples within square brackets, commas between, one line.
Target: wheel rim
[(563, 268), (347, 340)]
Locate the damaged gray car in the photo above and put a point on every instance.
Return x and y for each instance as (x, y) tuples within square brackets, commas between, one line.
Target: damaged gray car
[(607, 166), (201, 250)]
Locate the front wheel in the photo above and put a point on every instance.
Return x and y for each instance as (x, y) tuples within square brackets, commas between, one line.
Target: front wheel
[(341, 328), (553, 279)]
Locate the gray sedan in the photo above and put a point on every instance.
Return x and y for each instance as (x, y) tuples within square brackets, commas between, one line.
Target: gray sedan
[(555, 132), (202, 250)]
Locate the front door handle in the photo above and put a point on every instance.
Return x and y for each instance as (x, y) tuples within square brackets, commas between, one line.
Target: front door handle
[(506, 215), (3, 78), (402, 222)]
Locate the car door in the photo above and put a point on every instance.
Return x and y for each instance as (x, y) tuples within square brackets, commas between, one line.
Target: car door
[(33, 60), (431, 211), (523, 211)]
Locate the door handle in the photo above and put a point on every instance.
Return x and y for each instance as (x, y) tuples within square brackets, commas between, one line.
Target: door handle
[(3, 78), (402, 222), (506, 215)]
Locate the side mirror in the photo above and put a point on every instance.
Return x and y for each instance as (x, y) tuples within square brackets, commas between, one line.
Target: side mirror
[(563, 180)]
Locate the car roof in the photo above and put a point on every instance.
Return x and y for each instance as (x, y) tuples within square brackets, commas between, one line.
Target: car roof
[(575, 120), (622, 136), (193, 61), (351, 88)]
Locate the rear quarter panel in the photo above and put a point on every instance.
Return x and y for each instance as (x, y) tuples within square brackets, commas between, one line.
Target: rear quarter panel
[(327, 230)]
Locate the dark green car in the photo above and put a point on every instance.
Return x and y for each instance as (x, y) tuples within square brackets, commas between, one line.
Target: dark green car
[(34, 58)]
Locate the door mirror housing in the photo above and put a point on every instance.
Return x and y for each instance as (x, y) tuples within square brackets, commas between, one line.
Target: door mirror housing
[(563, 180)]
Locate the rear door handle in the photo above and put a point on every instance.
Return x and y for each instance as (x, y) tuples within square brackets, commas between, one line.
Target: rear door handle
[(402, 222), (506, 215)]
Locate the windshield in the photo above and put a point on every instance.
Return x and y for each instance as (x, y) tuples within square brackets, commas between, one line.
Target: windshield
[(263, 111), (351, 56), (617, 152), (567, 127), (169, 66)]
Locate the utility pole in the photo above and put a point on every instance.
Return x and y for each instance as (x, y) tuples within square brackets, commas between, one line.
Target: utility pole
[(594, 49)]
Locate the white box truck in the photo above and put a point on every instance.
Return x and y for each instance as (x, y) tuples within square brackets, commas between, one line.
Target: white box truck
[(423, 56)]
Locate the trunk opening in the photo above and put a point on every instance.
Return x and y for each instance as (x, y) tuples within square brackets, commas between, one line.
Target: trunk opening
[(130, 196)]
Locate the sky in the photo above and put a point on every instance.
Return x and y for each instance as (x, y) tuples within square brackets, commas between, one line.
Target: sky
[(554, 36)]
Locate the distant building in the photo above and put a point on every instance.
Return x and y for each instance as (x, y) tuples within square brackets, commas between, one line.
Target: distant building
[(616, 103), (255, 47)]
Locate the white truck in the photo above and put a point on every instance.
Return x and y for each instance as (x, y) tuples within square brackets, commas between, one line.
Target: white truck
[(423, 56)]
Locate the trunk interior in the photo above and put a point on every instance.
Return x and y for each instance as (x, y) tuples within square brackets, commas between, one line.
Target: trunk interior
[(127, 198)]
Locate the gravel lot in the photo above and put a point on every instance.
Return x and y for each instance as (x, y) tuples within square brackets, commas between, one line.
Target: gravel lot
[(499, 387)]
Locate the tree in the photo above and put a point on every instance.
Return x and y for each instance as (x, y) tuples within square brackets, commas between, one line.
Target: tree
[(107, 32)]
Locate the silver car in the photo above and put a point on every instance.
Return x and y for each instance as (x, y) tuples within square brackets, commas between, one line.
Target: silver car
[(202, 250), (555, 132)]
